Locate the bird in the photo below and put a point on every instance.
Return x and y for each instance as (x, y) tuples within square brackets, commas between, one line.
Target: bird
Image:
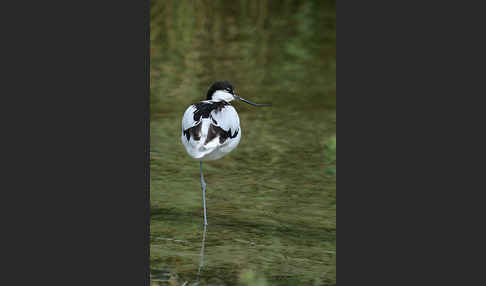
[(211, 128)]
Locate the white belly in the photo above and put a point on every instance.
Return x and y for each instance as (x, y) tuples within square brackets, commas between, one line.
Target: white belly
[(210, 130), (212, 150)]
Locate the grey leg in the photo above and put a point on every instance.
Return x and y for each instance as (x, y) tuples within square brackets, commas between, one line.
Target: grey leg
[(203, 187)]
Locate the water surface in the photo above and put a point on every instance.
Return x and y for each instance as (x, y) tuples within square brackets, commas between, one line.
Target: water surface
[(272, 201)]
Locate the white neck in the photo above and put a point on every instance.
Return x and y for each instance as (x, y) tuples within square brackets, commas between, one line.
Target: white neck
[(219, 95)]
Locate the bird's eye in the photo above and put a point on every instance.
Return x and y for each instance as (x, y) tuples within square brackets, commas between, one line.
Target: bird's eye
[(228, 89)]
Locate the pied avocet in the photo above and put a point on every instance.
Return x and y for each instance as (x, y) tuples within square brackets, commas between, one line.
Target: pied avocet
[(211, 128)]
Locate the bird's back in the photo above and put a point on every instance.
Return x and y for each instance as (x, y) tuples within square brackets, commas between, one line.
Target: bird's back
[(210, 129)]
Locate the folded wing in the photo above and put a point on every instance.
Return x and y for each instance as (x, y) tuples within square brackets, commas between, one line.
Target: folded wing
[(225, 125), (206, 126)]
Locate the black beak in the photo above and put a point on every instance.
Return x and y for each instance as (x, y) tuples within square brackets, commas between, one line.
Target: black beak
[(251, 103)]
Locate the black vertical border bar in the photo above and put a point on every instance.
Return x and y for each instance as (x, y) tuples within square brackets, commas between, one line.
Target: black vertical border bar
[(147, 139), (75, 194)]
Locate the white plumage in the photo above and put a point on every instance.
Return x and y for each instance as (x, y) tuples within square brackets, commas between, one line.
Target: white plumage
[(208, 140), (211, 128)]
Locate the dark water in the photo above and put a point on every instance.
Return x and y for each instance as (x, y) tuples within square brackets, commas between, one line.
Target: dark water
[(272, 201)]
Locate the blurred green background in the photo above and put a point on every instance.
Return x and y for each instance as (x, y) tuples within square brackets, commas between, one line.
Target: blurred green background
[(272, 201)]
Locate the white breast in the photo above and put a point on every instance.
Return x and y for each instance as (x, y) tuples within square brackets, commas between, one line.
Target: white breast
[(215, 133)]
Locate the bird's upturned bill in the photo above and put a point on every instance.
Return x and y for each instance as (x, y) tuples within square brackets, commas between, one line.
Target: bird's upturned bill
[(252, 103)]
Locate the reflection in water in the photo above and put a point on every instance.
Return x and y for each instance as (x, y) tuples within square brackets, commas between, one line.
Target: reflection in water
[(201, 262), (164, 276), (272, 200)]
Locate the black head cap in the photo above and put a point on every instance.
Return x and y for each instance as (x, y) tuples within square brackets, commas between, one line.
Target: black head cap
[(219, 85)]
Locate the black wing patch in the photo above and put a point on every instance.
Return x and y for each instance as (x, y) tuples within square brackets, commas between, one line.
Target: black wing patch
[(214, 131), (194, 132), (204, 108)]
